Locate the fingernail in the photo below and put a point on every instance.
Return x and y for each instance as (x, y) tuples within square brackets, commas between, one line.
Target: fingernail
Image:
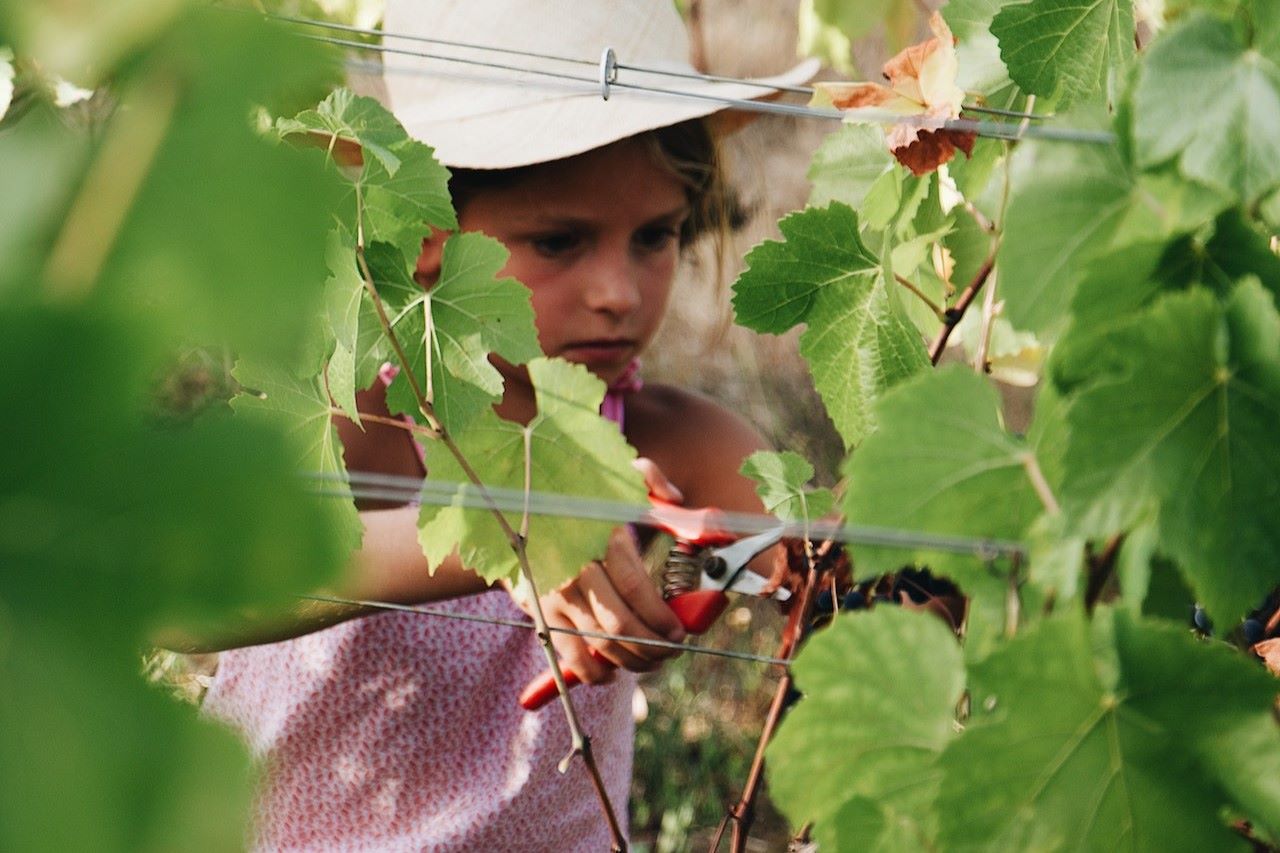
[(676, 635)]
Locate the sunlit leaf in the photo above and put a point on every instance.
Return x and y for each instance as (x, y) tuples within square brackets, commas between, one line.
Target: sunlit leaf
[(782, 482), (449, 331), (1065, 50), (574, 451)]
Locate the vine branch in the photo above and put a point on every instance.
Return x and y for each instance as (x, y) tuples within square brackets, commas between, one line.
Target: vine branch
[(581, 743), (933, 306), (953, 315), (743, 812)]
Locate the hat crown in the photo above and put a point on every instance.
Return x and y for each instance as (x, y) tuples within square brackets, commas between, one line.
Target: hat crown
[(481, 106)]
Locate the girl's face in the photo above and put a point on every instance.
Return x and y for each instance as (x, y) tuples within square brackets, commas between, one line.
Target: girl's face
[(596, 239)]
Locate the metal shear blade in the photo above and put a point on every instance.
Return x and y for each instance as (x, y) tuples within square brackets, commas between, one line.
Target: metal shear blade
[(735, 557)]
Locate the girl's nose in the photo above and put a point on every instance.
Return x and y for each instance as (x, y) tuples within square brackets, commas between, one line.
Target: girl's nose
[(613, 285)]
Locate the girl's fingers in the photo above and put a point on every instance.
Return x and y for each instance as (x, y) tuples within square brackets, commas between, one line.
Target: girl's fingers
[(615, 617), (583, 615), (656, 481), (560, 609), (630, 580)]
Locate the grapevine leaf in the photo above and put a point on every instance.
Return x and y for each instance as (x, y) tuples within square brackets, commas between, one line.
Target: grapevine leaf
[(344, 292), (782, 483), (875, 826), (880, 689), (940, 463), (1057, 713), (359, 119), (1210, 700), (301, 409), (1056, 221), (970, 19), (1186, 422), (399, 207), (782, 279), (574, 451), (1075, 209), (129, 768), (1212, 102), (1064, 50), (449, 331), (858, 345), (847, 164), (252, 279)]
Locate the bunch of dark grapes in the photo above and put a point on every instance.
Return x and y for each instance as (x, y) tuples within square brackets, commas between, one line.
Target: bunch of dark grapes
[(907, 587), (1261, 624)]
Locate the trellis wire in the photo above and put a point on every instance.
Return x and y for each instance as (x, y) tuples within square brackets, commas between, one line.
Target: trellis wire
[(529, 626), (388, 487), (995, 130)]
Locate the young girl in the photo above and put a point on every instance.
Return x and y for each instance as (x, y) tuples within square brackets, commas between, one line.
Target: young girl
[(399, 731)]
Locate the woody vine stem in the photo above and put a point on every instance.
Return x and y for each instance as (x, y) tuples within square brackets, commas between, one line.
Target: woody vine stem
[(581, 742)]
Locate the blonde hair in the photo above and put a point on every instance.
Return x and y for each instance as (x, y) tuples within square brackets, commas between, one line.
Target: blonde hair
[(688, 150)]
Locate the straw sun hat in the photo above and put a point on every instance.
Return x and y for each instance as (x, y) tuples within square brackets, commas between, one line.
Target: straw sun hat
[(519, 108)]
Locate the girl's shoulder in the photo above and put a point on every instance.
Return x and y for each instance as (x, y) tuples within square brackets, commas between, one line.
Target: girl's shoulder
[(698, 443)]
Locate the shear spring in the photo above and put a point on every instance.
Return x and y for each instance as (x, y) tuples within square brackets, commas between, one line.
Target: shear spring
[(682, 573)]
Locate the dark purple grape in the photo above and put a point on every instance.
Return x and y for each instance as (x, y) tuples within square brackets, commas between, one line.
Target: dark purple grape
[(1253, 631), (825, 603), (853, 600), (1200, 620)]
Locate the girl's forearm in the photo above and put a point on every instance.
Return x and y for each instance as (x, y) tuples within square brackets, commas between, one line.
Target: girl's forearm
[(389, 566)]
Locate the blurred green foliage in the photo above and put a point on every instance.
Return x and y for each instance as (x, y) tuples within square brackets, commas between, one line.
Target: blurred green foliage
[(161, 224)]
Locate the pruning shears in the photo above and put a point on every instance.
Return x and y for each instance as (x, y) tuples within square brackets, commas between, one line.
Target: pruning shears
[(706, 562)]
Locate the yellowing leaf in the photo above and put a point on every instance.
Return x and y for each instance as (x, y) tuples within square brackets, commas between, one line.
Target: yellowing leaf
[(922, 89)]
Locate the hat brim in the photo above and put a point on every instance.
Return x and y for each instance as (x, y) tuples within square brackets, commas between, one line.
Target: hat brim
[(562, 117)]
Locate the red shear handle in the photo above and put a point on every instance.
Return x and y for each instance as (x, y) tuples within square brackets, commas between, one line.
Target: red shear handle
[(696, 611), (703, 527)]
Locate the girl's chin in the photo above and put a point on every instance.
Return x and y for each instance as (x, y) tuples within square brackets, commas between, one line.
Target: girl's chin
[(606, 370)]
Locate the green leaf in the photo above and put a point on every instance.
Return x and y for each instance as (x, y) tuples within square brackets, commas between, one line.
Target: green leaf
[(821, 248), (940, 463), (847, 164), (254, 279), (449, 331), (1065, 50), (782, 483), (398, 207), (358, 119), (858, 345), (107, 517), (301, 409), (1185, 422), (970, 19), (574, 451), (1213, 702), (880, 690), (344, 293), (1057, 713), (107, 762), (1210, 101), (1057, 220)]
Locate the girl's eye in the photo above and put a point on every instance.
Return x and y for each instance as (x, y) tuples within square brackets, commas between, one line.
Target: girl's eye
[(657, 237), (555, 244)]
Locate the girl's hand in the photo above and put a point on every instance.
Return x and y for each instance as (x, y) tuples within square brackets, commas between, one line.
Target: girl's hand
[(615, 596)]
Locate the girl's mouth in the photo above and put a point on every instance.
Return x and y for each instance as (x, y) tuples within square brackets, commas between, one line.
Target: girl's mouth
[(601, 351)]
